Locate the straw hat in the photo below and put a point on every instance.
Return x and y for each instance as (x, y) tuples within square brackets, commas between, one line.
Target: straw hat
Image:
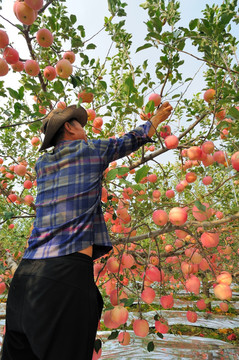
[(56, 118)]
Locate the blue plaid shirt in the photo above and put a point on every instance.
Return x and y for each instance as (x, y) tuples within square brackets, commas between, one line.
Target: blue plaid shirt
[(69, 217)]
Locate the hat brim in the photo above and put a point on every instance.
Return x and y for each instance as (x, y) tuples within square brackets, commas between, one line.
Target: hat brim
[(54, 121)]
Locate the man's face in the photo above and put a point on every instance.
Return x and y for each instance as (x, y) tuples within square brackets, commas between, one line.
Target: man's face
[(77, 131)]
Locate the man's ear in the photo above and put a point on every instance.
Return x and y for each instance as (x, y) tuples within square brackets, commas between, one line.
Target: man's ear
[(68, 127)]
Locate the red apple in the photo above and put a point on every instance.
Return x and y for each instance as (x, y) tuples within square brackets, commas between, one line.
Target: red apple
[(27, 184), (64, 68), (223, 292), (32, 67), (192, 316), (19, 66), (194, 153), (165, 131), (156, 98), (170, 194), (86, 96), (3, 67), (91, 114), (28, 199), (11, 55), (160, 217), (148, 295), (235, 161), (124, 338), (208, 147), (209, 95), (49, 73), (171, 142), (35, 141), (210, 240), (191, 177), (167, 301), (4, 40), (34, 4), (141, 327), (20, 170), (44, 37), (207, 180), (70, 56), (178, 216), (24, 13), (61, 105)]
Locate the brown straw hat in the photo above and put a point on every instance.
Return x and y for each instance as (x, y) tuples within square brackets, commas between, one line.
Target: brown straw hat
[(56, 118)]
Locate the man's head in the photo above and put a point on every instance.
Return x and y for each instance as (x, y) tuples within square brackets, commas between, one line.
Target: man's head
[(66, 124)]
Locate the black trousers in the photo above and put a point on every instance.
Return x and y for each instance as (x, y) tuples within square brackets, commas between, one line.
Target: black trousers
[(53, 310)]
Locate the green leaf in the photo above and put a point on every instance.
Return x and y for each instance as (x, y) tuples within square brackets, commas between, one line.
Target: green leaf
[(73, 19), (150, 346), (123, 170), (111, 175), (97, 345), (90, 46), (113, 335), (160, 335), (58, 87), (8, 215), (149, 107), (141, 173), (234, 113), (145, 46), (35, 126), (127, 302), (199, 205), (13, 93), (193, 24)]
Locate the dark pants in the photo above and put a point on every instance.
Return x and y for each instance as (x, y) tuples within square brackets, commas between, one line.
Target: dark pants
[(53, 310)]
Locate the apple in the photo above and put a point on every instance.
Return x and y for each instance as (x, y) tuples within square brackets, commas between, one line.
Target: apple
[(64, 68), (161, 326), (11, 226), (193, 284), (127, 261), (86, 96), (235, 161), (156, 194), (223, 292), (209, 95), (220, 115), (61, 105), (167, 301), (4, 40), (223, 306), (35, 141), (191, 177), (3, 67), (224, 278), (156, 98), (11, 55), (208, 161), (44, 37), (178, 216), (112, 264), (91, 114), (119, 314), (28, 199), (42, 110), (209, 240), (124, 338), (201, 305), (32, 67), (170, 194), (98, 122), (49, 73), (201, 215), (20, 170), (34, 4), (154, 274), (69, 55), (141, 327), (207, 180), (194, 153), (160, 217), (192, 316), (171, 142), (219, 156), (24, 13), (148, 295), (19, 66), (12, 198), (152, 178), (27, 184), (208, 147)]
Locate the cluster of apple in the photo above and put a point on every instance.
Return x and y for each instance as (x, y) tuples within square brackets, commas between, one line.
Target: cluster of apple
[(9, 174), (26, 12)]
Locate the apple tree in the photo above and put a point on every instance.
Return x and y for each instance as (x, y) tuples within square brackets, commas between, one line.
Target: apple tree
[(171, 207)]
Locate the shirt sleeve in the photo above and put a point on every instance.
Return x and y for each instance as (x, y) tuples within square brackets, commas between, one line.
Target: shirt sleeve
[(113, 149)]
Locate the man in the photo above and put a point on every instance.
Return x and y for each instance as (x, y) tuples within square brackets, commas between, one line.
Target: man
[(53, 304)]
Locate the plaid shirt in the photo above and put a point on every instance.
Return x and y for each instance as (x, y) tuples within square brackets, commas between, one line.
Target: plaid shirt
[(69, 217)]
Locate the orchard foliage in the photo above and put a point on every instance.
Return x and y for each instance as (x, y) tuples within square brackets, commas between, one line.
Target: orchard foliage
[(173, 225)]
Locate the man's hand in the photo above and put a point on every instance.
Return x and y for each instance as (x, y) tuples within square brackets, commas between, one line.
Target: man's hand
[(162, 114)]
